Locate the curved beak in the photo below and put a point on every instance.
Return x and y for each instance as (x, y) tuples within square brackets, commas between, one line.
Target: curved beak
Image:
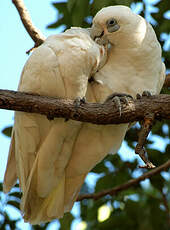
[(96, 32), (98, 35)]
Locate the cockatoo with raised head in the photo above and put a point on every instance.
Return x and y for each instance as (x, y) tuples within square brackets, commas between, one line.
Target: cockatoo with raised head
[(134, 65), (40, 148)]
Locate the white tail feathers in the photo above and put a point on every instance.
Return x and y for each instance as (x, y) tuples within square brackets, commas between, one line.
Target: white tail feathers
[(11, 172)]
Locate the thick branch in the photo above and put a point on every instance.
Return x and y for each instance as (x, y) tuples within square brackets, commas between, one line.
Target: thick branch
[(96, 113), (125, 186), (35, 34)]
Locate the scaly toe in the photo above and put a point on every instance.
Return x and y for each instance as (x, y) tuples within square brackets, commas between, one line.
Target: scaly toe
[(138, 96), (117, 101), (146, 94), (78, 101)]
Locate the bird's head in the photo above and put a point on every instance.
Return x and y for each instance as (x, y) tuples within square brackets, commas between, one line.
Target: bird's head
[(118, 25)]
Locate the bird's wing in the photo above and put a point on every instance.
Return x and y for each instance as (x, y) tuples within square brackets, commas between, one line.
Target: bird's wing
[(43, 148), (161, 80)]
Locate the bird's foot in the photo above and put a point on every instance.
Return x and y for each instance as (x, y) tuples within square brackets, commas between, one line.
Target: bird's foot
[(144, 94), (117, 98), (78, 101)]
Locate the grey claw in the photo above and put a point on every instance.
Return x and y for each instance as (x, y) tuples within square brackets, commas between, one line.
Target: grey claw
[(118, 98), (138, 96), (83, 100), (125, 100), (78, 101), (118, 104), (120, 95), (146, 94)]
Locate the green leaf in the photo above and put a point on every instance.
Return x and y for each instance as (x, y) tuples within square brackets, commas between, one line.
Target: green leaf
[(70, 4), (157, 181), (65, 222), (7, 131), (79, 12), (63, 17), (100, 168)]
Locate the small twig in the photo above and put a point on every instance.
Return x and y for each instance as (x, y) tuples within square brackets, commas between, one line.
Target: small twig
[(125, 186), (35, 34), (146, 126), (31, 49)]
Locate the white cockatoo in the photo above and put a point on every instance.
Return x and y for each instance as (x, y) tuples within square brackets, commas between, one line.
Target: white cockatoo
[(40, 148), (134, 65)]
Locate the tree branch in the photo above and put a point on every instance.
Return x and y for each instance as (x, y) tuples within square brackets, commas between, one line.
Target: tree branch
[(35, 34), (125, 186), (96, 113)]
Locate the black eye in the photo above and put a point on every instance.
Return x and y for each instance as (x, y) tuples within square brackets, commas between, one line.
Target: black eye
[(112, 25), (111, 22)]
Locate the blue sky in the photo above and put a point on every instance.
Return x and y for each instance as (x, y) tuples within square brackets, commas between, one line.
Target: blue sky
[(15, 42)]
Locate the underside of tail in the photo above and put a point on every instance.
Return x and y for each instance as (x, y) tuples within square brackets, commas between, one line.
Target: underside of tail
[(38, 209), (11, 172), (61, 199)]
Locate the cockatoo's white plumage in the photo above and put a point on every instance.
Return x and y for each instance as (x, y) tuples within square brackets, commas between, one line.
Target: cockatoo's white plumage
[(40, 149), (134, 65), (58, 171)]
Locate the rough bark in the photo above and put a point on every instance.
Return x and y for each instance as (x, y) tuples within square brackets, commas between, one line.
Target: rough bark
[(106, 113)]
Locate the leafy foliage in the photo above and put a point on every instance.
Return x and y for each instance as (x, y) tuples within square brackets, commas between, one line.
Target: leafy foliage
[(145, 206)]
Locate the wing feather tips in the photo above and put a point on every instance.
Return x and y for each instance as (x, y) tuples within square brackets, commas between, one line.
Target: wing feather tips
[(38, 210), (10, 176), (72, 189)]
